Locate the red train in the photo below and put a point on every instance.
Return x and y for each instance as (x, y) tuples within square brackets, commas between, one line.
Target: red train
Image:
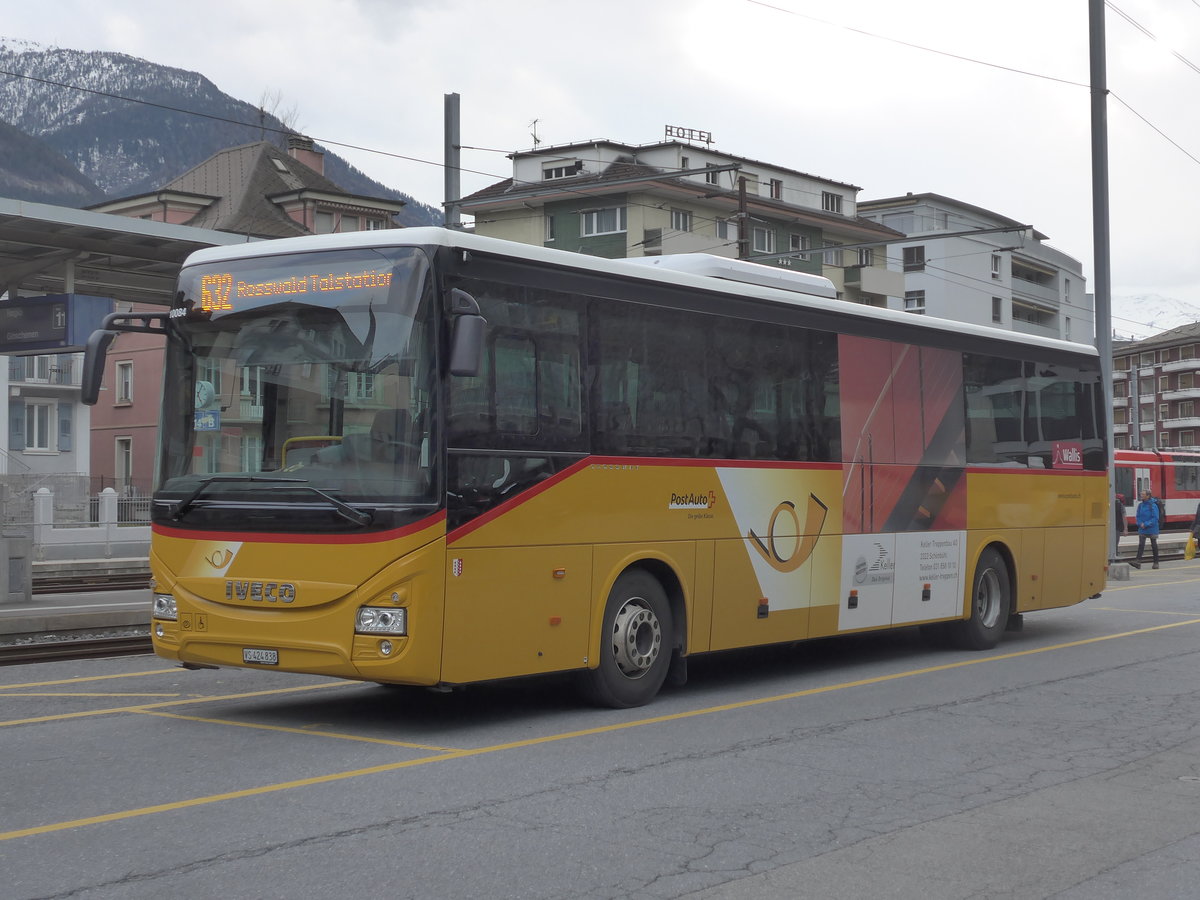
[(1171, 475)]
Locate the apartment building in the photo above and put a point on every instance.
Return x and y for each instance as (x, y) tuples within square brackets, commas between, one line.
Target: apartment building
[(967, 263), (1156, 391), (620, 200)]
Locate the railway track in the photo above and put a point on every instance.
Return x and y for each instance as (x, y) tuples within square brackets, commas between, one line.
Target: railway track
[(104, 647), (78, 584)]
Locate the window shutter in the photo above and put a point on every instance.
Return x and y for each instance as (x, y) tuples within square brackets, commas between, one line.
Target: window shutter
[(65, 417), (16, 425)]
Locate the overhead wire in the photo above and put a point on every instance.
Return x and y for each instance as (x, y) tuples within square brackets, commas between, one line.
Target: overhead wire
[(667, 232), (912, 46), (321, 140)]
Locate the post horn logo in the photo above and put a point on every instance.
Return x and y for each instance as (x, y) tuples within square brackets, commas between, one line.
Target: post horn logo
[(219, 559), (805, 539)]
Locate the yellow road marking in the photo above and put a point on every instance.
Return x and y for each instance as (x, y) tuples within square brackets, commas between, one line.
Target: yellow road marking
[(82, 694), (1131, 587), (554, 738), (309, 731), (33, 684), (142, 707), (1153, 612)]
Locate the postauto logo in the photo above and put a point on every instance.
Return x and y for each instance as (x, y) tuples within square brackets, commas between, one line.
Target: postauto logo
[(695, 500)]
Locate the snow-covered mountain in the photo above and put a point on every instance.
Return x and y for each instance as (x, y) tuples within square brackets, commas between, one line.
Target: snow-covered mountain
[(76, 104), (1148, 315)]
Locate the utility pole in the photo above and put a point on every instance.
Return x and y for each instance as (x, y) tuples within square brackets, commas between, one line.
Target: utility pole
[(452, 156), (743, 221), (1100, 242)]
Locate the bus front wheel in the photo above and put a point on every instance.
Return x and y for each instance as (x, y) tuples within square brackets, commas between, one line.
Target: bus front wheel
[(635, 643), (991, 605)]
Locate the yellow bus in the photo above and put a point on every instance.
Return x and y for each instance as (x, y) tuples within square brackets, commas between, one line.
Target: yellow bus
[(425, 457)]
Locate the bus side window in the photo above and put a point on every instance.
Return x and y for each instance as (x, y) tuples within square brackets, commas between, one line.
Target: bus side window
[(529, 390)]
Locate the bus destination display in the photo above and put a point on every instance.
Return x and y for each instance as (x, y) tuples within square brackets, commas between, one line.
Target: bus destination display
[(221, 291)]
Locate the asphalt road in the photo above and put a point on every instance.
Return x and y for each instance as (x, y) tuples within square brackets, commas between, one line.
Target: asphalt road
[(1065, 763)]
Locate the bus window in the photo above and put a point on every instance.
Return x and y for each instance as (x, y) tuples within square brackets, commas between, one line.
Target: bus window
[(528, 393), (674, 384)]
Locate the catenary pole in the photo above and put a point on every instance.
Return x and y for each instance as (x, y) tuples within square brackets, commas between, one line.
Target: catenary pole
[(453, 171), (1100, 240)]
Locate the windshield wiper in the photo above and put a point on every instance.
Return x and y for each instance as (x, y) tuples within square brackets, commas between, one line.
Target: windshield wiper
[(345, 510), (357, 516)]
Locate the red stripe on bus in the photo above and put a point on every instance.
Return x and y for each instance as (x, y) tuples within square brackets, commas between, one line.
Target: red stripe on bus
[(483, 518), (282, 538)]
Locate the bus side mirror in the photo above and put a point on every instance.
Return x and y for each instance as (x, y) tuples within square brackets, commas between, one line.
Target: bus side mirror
[(96, 348), (95, 352), (467, 333)]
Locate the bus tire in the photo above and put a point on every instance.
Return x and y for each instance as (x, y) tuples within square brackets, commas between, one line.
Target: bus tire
[(635, 643), (991, 604)]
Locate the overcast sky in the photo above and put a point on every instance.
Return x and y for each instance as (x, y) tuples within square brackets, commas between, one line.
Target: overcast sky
[(988, 103)]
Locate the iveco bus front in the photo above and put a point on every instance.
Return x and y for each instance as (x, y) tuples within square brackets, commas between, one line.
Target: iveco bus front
[(298, 468)]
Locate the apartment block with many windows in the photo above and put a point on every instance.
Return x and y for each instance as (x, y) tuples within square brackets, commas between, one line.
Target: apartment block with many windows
[(1156, 391)]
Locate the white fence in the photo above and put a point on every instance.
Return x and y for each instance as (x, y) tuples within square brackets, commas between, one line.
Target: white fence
[(106, 538)]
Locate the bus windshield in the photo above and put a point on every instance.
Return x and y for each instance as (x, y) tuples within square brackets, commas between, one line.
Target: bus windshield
[(299, 393)]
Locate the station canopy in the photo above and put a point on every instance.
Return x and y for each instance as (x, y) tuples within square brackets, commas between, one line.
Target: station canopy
[(59, 250)]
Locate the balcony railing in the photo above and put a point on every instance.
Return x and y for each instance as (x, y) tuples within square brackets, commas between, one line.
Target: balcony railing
[(1031, 328), (66, 372), (1180, 365), (1187, 422)]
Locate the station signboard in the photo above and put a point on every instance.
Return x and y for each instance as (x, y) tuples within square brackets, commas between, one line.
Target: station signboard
[(55, 323)]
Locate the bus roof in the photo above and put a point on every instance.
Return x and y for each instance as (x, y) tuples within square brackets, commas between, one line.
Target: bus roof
[(687, 274), (708, 266)]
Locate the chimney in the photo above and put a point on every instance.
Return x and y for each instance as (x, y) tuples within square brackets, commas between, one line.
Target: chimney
[(300, 148)]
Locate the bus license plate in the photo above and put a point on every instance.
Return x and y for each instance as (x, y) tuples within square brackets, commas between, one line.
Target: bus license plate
[(260, 657)]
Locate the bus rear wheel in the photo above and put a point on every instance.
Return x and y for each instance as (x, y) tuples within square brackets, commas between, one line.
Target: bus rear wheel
[(991, 605), (635, 644)]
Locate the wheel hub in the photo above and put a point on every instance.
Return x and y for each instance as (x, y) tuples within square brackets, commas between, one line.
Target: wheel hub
[(636, 638), (987, 599)]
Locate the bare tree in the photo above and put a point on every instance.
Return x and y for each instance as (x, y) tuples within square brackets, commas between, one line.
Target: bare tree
[(271, 104)]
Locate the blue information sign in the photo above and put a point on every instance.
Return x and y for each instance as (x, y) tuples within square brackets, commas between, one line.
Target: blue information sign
[(208, 420)]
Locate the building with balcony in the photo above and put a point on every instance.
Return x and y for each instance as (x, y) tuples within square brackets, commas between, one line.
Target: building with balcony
[(1156, 391), (620, 200), (47, 425), (970, 264)]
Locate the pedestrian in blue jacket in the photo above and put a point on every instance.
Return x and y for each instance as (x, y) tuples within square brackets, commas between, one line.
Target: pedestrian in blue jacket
[(1148, 526)]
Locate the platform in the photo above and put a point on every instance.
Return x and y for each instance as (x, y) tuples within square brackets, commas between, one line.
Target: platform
[(76, 611)]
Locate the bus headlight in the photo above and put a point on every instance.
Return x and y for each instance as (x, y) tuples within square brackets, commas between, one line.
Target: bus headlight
[(381, 620), (164, 607)]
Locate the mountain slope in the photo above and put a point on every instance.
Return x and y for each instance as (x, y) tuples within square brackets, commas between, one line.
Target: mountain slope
[(73, 101), (31, 170)]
